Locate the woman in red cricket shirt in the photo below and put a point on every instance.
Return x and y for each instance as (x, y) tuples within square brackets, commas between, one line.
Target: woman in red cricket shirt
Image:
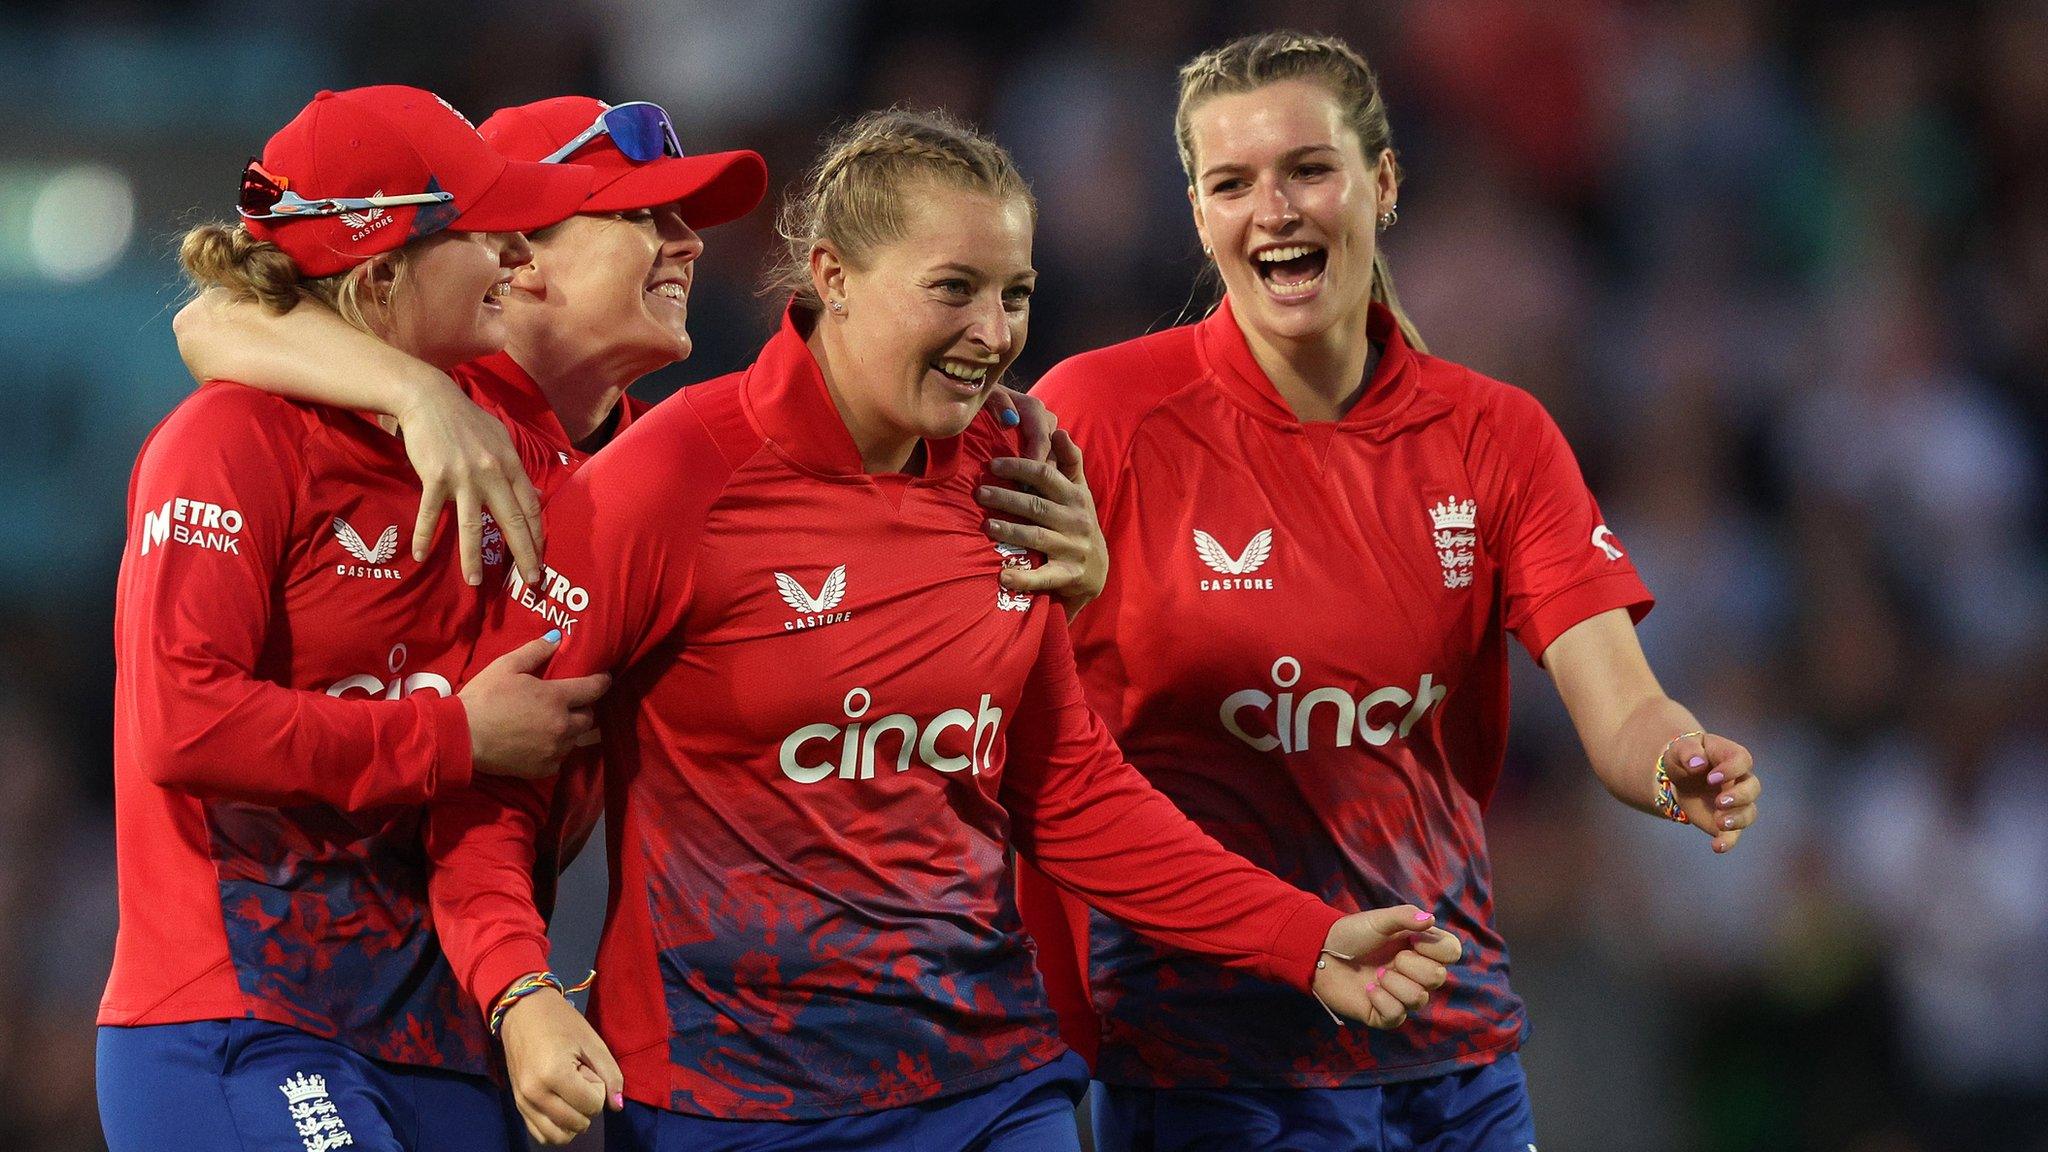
[(833, 721), (1321, 539), (284, 708), (602, 302)]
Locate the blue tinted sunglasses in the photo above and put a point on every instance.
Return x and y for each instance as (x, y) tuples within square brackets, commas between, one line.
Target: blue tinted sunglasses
[(639, 130)]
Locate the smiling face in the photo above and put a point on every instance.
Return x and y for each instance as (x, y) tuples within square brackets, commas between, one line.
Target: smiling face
[(448, 306), (929, 321), (1286, 202), (616, 287)]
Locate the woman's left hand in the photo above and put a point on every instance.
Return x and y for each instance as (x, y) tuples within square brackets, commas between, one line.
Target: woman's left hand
[(1716, 784), (1053, 515)]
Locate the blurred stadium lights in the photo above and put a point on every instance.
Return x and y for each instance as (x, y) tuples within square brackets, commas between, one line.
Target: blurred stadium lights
[(68, 224)]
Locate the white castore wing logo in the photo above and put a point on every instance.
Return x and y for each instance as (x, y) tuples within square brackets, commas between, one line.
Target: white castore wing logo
[(828, 597), (366, 217), (387, 543), (1214, 555)]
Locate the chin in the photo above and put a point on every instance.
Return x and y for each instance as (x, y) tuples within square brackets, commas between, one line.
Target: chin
[(949, 423)]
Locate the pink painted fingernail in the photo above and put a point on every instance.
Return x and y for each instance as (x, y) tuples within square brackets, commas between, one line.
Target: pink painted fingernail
[(1727, 801), (1372, 986), (1728, 822), (1422, 917), (1714, 777), (618, 1101), (1697, 762)]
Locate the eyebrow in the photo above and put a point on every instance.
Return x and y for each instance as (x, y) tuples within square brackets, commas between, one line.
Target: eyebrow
[(978, 274), (1289, 155)]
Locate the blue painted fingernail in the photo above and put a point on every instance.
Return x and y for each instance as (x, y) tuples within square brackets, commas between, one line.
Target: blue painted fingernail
[(554, 636), (1008, 418)]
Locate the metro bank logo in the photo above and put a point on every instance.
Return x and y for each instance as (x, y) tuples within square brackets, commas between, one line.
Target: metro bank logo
[(555, 598), (198, 523)]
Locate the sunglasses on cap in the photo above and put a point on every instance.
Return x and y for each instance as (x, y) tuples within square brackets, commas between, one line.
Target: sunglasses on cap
[(267, 197), (638, 129)]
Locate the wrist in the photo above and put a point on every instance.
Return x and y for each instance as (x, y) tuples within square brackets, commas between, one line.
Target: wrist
[(526, 987), (1663, 794), (416, 390)]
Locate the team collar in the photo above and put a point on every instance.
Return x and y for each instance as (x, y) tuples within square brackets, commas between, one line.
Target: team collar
[(519, 396), (788, 401), (1392, 401)]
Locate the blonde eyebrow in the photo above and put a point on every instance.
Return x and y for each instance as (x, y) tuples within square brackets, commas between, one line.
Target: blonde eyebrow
[(1290, 155)]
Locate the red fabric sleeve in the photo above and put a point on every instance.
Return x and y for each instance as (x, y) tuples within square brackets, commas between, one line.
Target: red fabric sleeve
[(196, 601), (1557, 569), (620, 544), (1058, 925), (1098, 829)]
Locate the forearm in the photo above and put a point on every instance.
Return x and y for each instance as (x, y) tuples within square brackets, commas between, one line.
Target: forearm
[(1098, 829), (482, 843), (1625, 758), (224, 736), (309, 353)]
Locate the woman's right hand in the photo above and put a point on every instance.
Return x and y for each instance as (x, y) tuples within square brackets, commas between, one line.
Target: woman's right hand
[(1380, 965), (464, 454), (562, 1073), (460, 452), (522, 725)]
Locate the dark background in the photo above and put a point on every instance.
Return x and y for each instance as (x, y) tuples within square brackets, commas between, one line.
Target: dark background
[(1775, 267)]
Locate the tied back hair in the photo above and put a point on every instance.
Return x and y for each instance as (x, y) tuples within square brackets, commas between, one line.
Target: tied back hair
[(853, 197), (227, 257)]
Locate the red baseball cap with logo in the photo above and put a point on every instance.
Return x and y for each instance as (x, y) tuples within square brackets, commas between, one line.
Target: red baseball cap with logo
[(712, 189), (386, 142)]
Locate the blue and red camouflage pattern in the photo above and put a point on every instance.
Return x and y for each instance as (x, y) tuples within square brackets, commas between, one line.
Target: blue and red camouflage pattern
[(1171, 1020), (328, 929), (796, 995)]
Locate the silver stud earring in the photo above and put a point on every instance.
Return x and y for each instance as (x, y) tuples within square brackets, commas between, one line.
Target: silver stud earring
[(1388, 218), (838, 305)]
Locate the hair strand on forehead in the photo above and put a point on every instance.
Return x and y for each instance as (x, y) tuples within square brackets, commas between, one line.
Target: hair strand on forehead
[(1252, 62), (853, 196)]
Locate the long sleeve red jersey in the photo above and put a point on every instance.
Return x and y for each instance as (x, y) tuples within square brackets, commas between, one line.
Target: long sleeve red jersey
[(829, 725), (283, 711), (1303, 644)]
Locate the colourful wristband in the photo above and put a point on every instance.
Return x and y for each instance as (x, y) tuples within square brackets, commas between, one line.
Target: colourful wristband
[(526, 986), (1666, 799)]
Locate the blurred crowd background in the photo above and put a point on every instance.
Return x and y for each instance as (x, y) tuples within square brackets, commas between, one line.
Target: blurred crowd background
[(1777, 268)]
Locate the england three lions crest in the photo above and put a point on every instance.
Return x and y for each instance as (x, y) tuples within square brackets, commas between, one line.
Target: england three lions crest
[(1453, 524)]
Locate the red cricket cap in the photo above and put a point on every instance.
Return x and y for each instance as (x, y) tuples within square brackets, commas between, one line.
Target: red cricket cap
[(712, 189), (390, 139)]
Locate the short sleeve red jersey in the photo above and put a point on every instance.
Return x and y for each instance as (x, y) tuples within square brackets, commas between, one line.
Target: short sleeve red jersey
[(1303, 644), (283, 712), (830, 723)]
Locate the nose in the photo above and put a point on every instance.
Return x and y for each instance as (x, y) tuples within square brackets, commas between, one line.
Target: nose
[(990, 328), (514, 250), (678, 240), (1275, 210)]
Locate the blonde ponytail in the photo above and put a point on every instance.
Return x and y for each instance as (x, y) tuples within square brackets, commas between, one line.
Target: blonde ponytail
[(227, 257)]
